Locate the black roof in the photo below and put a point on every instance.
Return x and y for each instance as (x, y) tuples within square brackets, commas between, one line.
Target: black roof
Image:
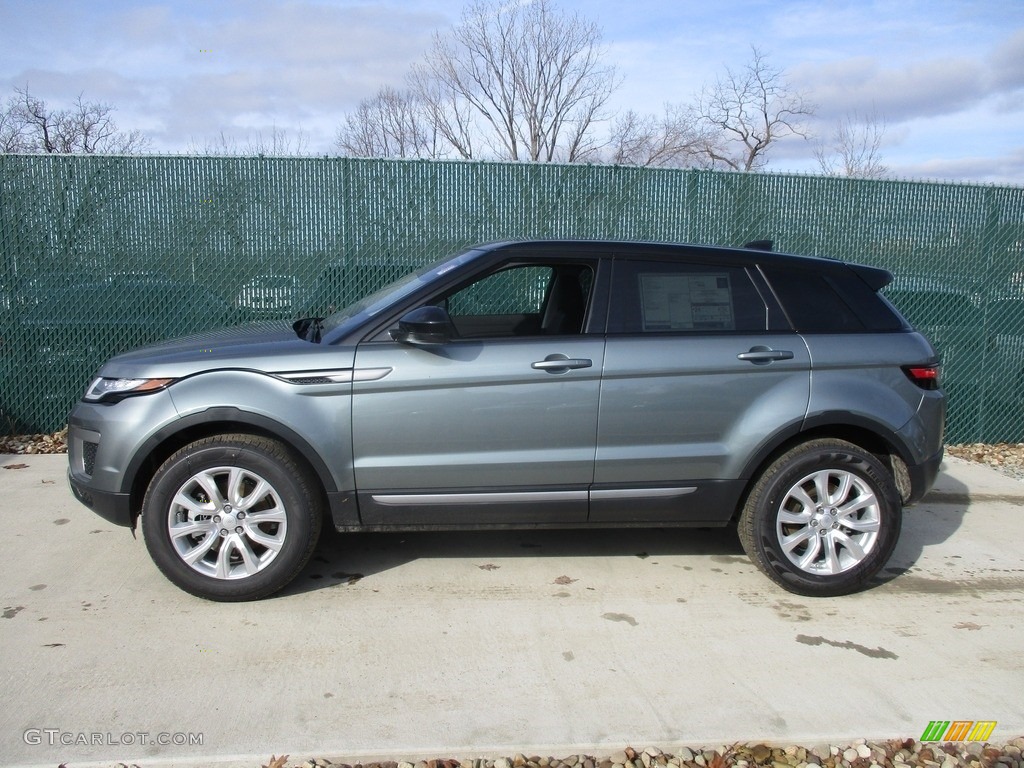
[(876, 277)]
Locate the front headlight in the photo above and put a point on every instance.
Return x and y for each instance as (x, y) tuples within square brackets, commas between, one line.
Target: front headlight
[(115, 389)]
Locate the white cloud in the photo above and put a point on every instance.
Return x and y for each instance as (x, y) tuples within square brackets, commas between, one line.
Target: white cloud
[(187, 69), (1004, 169), (1007, 63), (864, 85), (947, 75)]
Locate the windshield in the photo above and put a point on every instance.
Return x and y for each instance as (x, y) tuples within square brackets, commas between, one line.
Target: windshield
[(376, 302)]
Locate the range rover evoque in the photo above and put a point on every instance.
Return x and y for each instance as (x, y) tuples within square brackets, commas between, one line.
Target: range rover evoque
[(531, 384)]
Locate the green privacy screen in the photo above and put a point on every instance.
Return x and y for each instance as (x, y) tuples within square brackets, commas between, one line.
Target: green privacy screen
[(102, 254)]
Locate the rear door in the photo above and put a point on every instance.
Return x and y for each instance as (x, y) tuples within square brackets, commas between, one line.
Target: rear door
[(694, 382)]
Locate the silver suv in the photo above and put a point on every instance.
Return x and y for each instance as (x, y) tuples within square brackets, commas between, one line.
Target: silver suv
[(528, 384)]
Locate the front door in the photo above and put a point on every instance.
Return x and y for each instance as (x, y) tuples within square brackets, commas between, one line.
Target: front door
[(497, 426)]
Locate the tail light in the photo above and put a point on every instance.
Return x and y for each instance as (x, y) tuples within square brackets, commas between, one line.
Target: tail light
[(925, 376)]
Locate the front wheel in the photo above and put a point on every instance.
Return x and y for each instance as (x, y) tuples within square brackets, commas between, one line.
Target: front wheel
[(823, 519), (232, 517)]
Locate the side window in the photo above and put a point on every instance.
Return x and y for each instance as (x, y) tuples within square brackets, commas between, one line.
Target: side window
[(522, 300), (669, 297), (812, 303), (515, 291)]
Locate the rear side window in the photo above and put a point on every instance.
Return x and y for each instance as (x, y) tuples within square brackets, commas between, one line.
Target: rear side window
[(837, 302), (669, 297)]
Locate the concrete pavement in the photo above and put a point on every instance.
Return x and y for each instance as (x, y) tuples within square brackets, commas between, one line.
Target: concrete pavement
[(426, 645)]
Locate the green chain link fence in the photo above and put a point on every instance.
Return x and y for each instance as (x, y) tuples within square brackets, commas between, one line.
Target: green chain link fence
[(102, 254)]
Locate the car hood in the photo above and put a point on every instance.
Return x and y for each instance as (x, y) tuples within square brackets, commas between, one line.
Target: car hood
[(270, 347)]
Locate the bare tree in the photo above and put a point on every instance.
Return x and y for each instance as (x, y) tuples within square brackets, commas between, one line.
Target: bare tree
[(277, 142), (747, 111), (13, 131), (29, 125), (527, 78), (855, 149), (391, 124), (673, 140), (450, 117)]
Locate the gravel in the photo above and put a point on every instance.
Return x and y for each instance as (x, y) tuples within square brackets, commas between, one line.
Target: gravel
[(1003, 457), (1007, 458), (894, 753), (28, 444)]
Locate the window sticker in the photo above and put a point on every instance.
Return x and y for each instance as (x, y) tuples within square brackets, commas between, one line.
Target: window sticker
[(675, 302)]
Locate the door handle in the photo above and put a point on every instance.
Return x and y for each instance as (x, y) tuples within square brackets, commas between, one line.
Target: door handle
[(561, 363), (764, 355)]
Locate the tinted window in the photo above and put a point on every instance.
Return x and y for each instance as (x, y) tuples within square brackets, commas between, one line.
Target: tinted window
[(669, 297), (522, 300), (838, 302), (512, 291)]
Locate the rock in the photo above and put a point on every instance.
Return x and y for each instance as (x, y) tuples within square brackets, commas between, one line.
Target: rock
[(863, 750), (760, 753), (684, 754)]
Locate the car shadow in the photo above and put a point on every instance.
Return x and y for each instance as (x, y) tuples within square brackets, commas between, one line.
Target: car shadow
[(931, 521), (346, 558)]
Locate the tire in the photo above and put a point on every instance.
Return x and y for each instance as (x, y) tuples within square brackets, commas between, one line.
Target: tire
[(823, 519), (232, 517)]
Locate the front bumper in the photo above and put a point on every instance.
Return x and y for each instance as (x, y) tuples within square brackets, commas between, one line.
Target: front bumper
[(103, 442), (113, 507)]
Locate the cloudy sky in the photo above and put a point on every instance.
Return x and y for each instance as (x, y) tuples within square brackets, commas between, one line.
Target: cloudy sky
[(947, 76)]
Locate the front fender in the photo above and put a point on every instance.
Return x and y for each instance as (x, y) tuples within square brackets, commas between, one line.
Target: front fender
[(316, 423)]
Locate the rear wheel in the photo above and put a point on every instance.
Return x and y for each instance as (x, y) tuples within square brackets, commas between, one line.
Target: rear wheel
[(232, 517), (823, 518)]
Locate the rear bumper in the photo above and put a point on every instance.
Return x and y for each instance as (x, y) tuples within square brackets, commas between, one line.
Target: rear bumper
[(923, 475)]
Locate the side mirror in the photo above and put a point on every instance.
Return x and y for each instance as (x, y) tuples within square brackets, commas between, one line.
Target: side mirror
[(425, 326)]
